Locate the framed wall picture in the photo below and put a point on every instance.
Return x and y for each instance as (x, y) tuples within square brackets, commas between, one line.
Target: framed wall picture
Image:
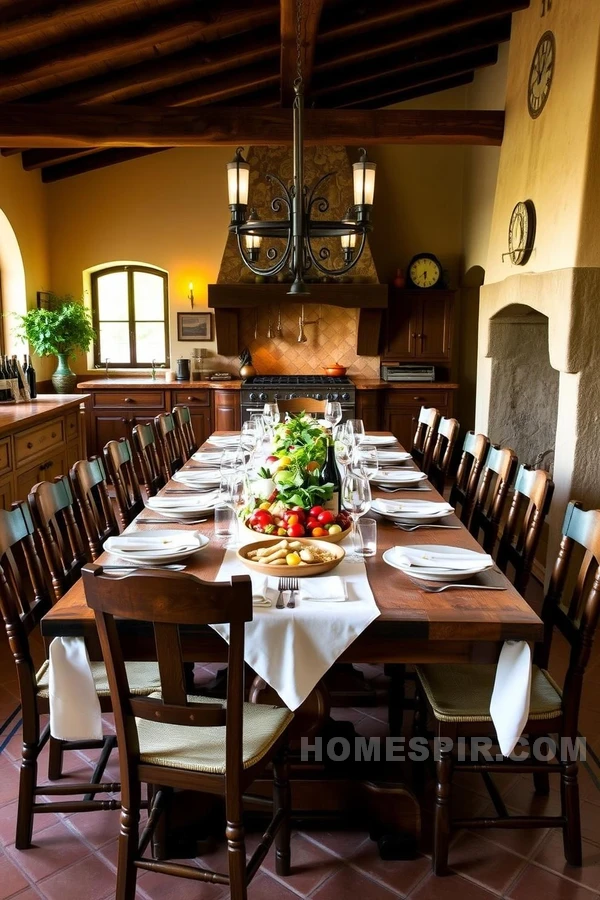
[(43, 299), (194, 326)]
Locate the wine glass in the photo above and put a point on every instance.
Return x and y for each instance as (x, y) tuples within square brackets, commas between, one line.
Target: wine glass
[(356, 499), (365, 459), (232, 460), (271, 413), (259, 424), (249, 437), (356, 427), (333, 413), (234, 493), (342, 443)]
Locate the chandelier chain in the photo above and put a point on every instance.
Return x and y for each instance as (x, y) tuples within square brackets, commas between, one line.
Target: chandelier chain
[(298, 41)]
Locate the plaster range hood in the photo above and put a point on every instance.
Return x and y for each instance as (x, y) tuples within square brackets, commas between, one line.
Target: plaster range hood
[(230, 300)]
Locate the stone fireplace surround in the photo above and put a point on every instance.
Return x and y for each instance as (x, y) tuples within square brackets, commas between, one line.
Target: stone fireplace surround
[(570, 299)]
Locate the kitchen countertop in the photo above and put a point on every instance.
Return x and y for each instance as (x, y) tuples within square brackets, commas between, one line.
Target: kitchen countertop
[(160, 384), (377, 384), (45, 406)]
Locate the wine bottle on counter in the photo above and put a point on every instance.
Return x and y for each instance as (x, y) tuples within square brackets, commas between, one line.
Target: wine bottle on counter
[(16, 372), (5, 393), (31, 378), (330, 474)]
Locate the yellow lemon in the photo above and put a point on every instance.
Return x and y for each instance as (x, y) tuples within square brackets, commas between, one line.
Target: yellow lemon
[(293, 559)]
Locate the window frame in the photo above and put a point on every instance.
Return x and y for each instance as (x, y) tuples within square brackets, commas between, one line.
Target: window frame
[(130, 270)]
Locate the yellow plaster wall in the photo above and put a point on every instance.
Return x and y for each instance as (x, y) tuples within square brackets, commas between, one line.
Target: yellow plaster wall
[(545, 159)]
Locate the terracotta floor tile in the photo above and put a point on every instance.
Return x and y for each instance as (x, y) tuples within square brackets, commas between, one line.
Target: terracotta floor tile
[(53, 849), (347, 882), (401, 876), (450, 887), (166, 887), (522, 841), (590, 820), (342, 843), (551, 855), (369, 727), (28, 894), (538, 883), (88, 879), (9, 782), (311, 865), (97, 827), (263, 887), (490, 866), (8, 821), (12, 879)]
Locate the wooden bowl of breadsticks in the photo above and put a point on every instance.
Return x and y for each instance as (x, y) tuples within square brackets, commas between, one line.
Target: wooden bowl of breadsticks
[(287, 557)]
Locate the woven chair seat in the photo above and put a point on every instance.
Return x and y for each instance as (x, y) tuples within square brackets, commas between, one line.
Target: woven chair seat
[(199, 749), (143, 678), (462, 693)]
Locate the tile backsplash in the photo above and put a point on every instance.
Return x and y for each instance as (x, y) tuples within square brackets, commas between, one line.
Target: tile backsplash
[(332, 339)]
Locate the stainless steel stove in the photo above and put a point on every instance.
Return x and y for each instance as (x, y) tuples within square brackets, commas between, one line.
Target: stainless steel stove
[(259, 389)]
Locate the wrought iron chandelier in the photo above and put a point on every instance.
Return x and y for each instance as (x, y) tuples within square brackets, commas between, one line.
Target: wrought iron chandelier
[(299, 229)]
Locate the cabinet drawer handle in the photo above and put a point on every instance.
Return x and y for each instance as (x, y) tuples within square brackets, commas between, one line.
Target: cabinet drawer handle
[(190, 399), (53, 435), (129, 400), (126, 421), (418, 398), (29, 445)]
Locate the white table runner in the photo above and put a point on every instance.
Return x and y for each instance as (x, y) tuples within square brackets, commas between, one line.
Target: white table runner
[(293, 648)]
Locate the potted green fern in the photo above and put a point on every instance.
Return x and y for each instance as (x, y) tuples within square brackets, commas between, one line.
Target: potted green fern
[(60, 330)]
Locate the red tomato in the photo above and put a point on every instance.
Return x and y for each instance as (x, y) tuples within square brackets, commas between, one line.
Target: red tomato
[(296, 531), (311, 523), (326, 517), (315, 511), (300, 513), (263, 517)]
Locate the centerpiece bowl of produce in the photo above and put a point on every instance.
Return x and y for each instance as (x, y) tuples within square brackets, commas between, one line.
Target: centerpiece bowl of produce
[(286, 557), (296, 493)]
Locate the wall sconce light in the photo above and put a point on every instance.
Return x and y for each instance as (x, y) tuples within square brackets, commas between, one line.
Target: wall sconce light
[(191, 294)]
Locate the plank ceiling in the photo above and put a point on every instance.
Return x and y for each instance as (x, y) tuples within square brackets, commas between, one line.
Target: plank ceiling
[(357, 54)]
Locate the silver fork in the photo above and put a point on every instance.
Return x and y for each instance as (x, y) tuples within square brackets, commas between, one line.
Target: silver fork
[(470, 587), (281, 588), (387, 490), (293, 586)]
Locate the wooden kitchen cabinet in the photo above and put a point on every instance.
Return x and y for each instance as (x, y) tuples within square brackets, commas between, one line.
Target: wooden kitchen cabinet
[(419, 326), (227, 411), (368, 409), (401, 408)]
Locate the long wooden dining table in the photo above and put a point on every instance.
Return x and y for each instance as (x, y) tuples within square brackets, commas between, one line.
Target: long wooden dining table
[(414, 626)]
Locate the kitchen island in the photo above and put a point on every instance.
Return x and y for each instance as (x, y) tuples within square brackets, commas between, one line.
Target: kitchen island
[(38, 441)]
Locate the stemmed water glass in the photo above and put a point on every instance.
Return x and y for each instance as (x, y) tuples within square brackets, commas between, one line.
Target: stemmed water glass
[(250, 438), (233, 460), (356, 499), (356, 428), (234, 493), (365, 459), (271, 413), (333, 413), (343, 445)]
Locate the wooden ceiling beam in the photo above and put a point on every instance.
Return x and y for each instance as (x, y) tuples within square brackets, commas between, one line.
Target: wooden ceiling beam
[(38, 159), (134, 41), (444, 84), (390, 85), (473, 39), (361, 17), (56, 126), (209, 90), (309, 26), (97, 160), (357, 51), (201, 61)]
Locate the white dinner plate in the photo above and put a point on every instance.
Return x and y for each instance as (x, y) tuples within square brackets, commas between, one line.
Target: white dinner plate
[(380, 440), (423, 573), (412, 511), (207, 456), (199, 479), (171, 546), (398, 477), (393, 456), (185, 508)]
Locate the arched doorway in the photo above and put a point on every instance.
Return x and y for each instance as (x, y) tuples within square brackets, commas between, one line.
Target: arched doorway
[(13, 295), (467, 351)]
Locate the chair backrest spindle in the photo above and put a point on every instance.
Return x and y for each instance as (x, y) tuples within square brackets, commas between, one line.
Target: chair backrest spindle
[(119, 463), (88, 479)]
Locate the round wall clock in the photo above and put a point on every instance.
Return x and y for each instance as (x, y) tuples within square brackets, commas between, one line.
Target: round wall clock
[(424, 271), (541, 74), (521, 232)]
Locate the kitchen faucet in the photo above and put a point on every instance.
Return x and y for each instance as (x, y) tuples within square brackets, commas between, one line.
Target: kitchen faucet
[(106, 362)]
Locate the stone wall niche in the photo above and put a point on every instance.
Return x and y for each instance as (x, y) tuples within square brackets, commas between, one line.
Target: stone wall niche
[(524, 386)]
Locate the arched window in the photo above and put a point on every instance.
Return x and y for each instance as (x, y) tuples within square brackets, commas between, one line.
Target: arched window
[(130, 308)]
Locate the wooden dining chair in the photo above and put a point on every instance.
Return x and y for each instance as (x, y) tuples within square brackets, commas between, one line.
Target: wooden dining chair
[(425, 435), (24, 599), (149, 458), (53, 513), (175, 741), (169, 443), (119, 464), (474, 452), (88, 480), (443, 451), (492, 495), (521, 535), (459, 696), (301, 404), (185, 431)]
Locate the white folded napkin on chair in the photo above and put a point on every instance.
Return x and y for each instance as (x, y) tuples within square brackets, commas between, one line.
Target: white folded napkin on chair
[(509, 706), (411, 556), (75, 713)]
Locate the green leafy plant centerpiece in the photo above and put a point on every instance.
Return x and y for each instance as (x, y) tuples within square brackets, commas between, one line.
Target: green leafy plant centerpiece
[(60, 330)]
